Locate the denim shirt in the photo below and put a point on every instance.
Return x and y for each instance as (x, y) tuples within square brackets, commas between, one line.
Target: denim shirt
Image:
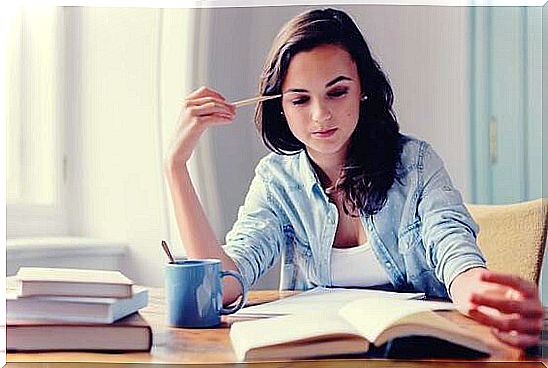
[(423, 236)]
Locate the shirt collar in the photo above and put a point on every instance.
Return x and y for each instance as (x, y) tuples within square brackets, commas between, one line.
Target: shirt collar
[(308, 174)]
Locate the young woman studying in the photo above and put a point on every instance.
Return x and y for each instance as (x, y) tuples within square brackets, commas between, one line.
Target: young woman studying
[(344, 199)]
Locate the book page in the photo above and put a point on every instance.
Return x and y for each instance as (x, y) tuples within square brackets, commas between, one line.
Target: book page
[(372, 316), (292, 328), (13, 288), (322, 299)]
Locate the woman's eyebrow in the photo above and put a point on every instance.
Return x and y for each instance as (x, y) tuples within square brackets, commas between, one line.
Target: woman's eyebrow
[(337, 80), (328, 84), (296, 90)]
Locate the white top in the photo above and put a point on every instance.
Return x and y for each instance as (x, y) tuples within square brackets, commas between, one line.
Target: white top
[(356, 267)]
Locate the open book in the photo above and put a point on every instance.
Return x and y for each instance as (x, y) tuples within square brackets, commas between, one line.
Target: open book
[(352, 328)]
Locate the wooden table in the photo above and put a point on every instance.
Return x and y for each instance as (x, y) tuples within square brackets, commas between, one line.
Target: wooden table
[(201, 347)]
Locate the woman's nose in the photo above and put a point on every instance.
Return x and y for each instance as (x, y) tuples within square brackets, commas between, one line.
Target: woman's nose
[(320, 112)]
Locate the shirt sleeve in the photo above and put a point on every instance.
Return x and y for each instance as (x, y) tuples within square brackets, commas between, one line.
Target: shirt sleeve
[(256, 238), (449, 232)]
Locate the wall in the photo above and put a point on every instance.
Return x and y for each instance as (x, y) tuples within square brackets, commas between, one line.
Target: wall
[(424, 50), (65, 252)]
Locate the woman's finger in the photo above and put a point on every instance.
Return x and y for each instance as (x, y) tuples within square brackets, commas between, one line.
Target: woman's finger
[(208, 109), (527, 288), (217, 119), (527, 308), (205, 100), (204, 92), (516, 339), (530, 326)]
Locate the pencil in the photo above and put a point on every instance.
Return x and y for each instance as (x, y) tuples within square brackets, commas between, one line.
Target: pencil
[(252, 100), (249, 101)]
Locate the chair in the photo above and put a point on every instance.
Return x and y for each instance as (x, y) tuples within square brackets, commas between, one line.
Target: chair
[(513, 237)]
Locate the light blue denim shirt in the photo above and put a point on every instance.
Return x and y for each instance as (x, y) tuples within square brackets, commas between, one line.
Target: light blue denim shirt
[(423, 236)]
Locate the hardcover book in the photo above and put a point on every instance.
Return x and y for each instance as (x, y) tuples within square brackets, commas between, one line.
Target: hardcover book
[(131, 333), (72, 282), (352, 328), (71, 308)]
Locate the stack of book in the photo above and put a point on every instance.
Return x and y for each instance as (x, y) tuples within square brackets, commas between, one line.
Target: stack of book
[(50, 309)]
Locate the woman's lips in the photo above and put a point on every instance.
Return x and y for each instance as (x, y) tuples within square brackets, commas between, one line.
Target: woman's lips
[(324, 133)]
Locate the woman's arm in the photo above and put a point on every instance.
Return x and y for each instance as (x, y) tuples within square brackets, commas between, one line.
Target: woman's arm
[(505, 302), (195, 230), (203, 108), (448, 230)]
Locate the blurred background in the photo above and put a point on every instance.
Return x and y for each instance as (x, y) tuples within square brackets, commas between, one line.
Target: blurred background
[(93, 95)]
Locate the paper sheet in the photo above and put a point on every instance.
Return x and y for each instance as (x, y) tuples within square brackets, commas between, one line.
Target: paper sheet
[(320, 299)]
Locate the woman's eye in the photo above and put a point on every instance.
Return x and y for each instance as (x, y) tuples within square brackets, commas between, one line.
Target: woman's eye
[(338, 93), (299, 101)]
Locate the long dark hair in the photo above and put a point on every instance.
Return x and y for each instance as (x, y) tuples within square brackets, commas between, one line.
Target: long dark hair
[(374, 152)]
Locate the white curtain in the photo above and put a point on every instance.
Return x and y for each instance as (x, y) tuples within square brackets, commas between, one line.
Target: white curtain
[(34, 113), (183, 66)]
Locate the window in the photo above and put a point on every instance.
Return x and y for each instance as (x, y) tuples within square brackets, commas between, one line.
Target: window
[(34, 104)]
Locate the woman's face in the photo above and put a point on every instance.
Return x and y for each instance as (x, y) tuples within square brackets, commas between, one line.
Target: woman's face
[(321, 100)]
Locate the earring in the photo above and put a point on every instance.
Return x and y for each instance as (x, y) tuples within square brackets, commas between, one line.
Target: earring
[(281, 113), (363, 98)]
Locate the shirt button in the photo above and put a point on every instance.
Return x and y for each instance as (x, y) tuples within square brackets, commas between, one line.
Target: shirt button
[(388, 264)]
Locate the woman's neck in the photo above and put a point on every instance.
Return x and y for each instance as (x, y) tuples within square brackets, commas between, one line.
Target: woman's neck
[(328, 167)]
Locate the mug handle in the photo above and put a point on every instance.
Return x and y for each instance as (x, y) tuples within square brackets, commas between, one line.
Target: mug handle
[(243, 300)]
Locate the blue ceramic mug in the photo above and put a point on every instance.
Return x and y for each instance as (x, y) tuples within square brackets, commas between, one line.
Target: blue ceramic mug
[(194, 293)]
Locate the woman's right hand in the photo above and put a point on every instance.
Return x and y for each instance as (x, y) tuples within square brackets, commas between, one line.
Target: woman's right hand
[(202, 108)]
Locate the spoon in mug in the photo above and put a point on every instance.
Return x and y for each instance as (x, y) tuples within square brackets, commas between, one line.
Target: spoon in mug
[(168, 252)]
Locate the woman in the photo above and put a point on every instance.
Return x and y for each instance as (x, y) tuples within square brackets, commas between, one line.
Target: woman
[(344, 199)]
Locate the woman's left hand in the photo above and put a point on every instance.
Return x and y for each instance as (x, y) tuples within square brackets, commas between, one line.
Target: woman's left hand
[(506, 302)]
